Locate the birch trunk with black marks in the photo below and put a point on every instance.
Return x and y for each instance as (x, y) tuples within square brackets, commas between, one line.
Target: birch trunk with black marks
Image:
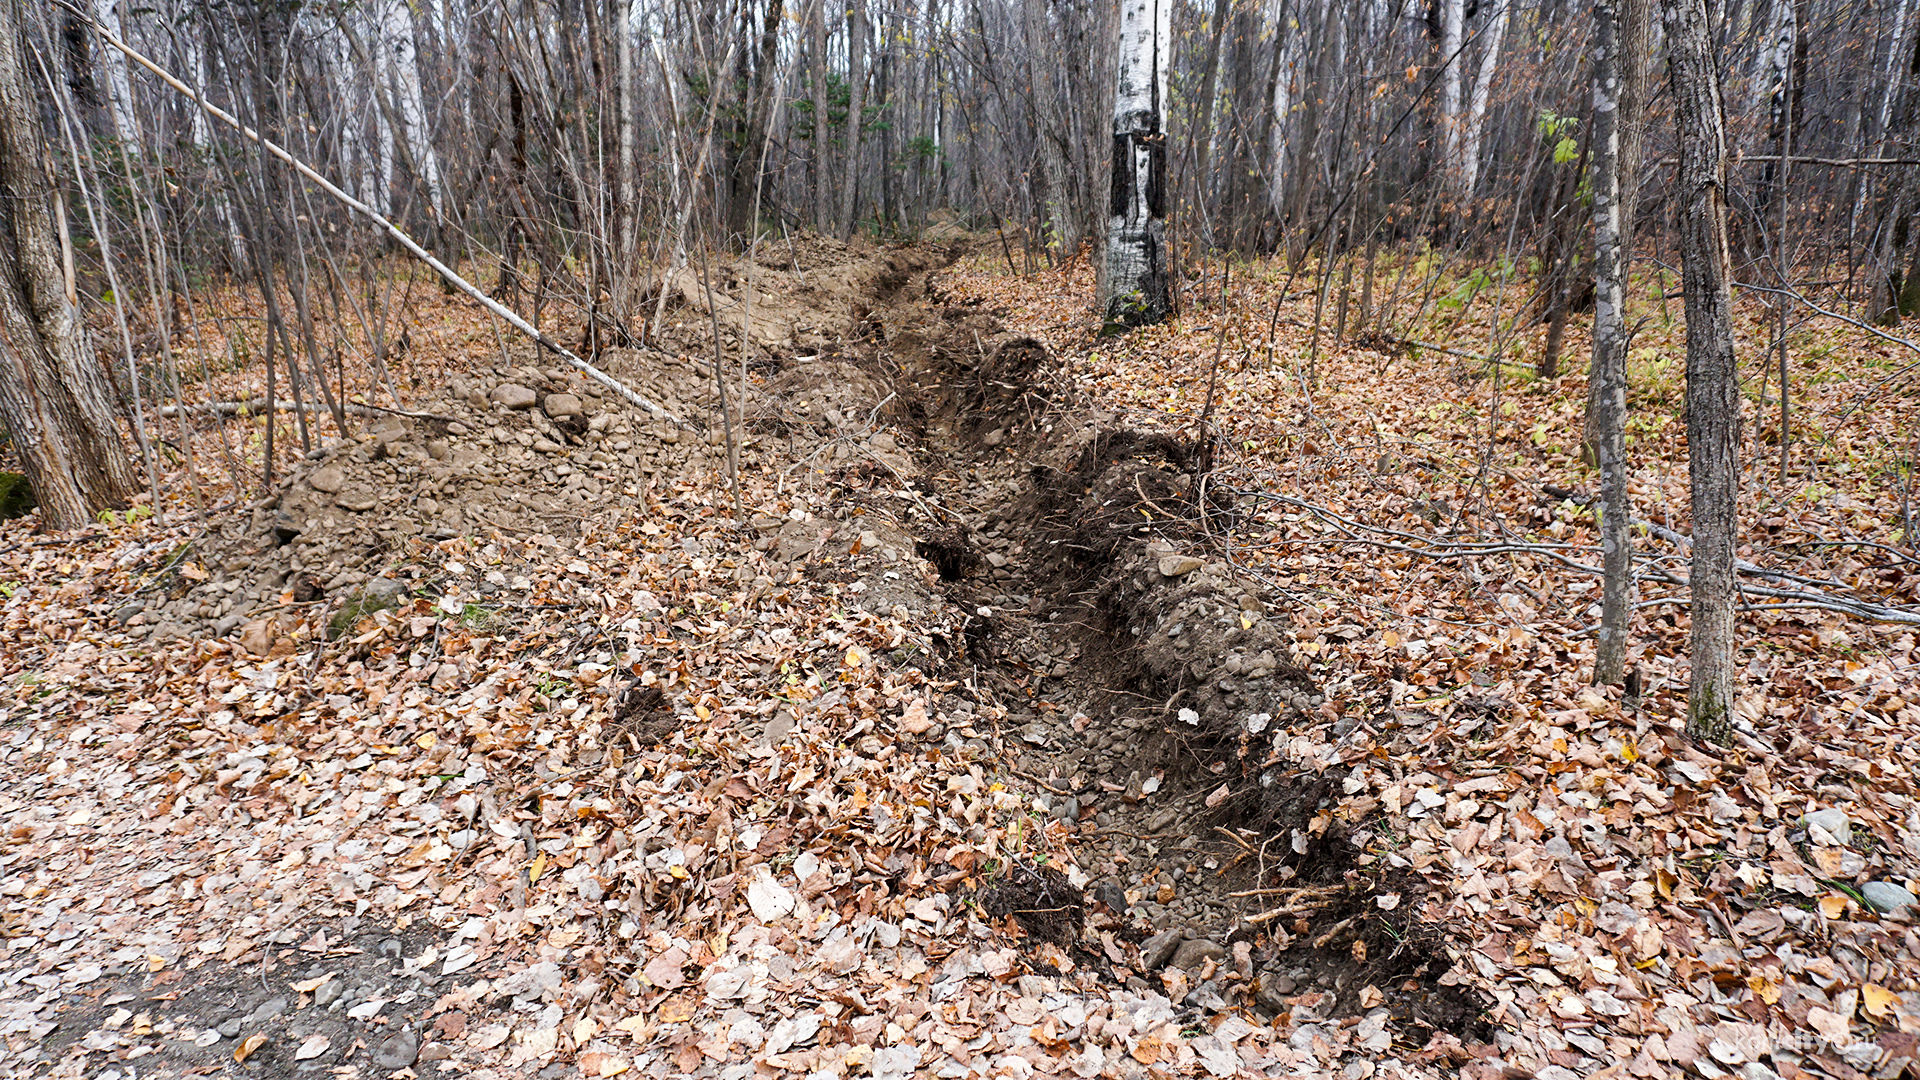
[(1713, 397), (1135, 280)]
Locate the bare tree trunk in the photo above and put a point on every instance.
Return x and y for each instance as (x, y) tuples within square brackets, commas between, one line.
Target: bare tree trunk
[(1476, 116), (822, 129), (856, 102), (1135, 286), (54, 399), (1201, 137), (1452, 33), (1613, 114), (1713, 398), (626, 263)]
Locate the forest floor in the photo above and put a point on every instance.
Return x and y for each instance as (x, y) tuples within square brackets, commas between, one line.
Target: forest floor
[(1209, 700)]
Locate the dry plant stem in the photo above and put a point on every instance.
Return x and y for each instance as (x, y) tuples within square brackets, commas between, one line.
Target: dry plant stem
[(720, 382), (1219, 346), (389, 227), (113, 282)]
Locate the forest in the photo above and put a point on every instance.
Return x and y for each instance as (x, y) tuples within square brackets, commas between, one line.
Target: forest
[(1000, 538)]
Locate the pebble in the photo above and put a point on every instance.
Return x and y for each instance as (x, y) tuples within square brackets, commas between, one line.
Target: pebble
[(546, 446), (1158, 949), (329, 479), (1193, 955), (1176, 565), (266, 1011), (1885, 896), (559, 406), (328, 992), (398, 1052), (1833, 821), (514, 396)]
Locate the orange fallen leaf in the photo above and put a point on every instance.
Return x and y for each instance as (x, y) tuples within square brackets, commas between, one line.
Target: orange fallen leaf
[(1877, 999), (246, 1048)]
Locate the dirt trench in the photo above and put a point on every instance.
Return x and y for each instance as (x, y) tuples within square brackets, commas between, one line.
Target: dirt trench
[(1143, 687)]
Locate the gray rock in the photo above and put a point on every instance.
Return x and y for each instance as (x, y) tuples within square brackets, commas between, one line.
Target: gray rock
[(1888, 897), (456, 428), (546, 446), (1833, 821), (391, 947), (358, 502), (1111, 895), (231, 1027), (398, 1052), (327, 478), (1176, 565), (266, 1011), (514, 396), (438, 449), (1207, 996), (560, 406), (1158, 949), (1193, 955), (778, 727), (328, 992)]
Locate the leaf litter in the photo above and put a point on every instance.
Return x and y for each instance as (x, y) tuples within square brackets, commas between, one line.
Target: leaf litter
[(1031, 723)]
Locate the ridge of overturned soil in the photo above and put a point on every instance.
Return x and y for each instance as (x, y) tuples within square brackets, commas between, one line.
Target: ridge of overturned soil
[(1150, 695)]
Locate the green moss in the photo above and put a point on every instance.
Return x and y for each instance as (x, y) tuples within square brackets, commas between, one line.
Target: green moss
[(380, 594), (16, 496)]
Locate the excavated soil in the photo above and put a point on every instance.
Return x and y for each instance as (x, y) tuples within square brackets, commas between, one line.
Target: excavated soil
[(1124, 674)]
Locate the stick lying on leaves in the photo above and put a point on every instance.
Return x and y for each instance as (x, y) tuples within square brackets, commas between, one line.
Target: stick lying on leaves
[(1440, 550), (240, 408), (392, 230)]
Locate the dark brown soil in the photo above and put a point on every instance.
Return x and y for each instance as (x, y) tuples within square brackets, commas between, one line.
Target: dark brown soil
[(1148, 687)]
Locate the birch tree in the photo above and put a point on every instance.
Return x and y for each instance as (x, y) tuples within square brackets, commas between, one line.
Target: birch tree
[(1713, 393), (1476, 116), (1135, 278), (1617, 95)]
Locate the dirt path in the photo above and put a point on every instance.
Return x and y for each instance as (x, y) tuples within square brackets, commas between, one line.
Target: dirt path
[(504, 750)]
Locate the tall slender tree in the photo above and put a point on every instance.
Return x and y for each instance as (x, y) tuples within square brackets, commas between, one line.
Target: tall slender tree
[(1713, 393), (1619, 89)]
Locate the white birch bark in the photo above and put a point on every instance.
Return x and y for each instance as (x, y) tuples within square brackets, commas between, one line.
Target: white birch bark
[(628, 256), (1610, 264), (114, 66), (1136, 287), (1480, 98), (395, 44), (1452, 33)]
